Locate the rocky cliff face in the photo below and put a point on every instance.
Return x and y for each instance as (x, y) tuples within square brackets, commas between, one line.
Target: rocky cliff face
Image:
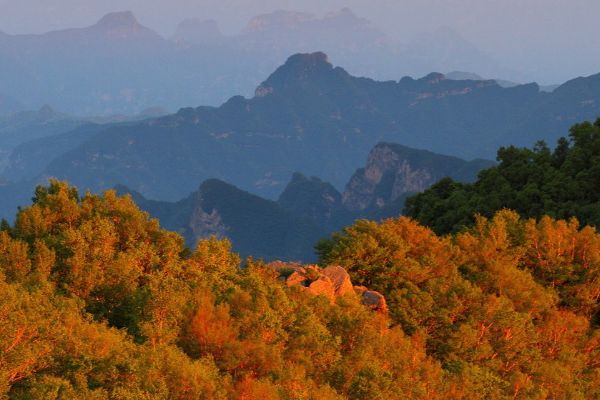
[(206, 223), (254, 226), (392, 171)]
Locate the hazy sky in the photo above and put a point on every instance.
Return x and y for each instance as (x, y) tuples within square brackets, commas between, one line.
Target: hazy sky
[(561, 36)]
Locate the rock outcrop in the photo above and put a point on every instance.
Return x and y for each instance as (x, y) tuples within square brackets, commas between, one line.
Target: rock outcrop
[(374, 300), (339, 279), (322, 285), (205, 223), (393, 171), (333, 282)]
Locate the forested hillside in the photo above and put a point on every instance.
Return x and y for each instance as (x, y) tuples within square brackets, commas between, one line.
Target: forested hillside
[(312, 117), (308, 209), (307, 116), (561, 183), (98, 302)]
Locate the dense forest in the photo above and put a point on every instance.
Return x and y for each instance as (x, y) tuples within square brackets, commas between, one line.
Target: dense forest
[(562, 183), (97, 301)]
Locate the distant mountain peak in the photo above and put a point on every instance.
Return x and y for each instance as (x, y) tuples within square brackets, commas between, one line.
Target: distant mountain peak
[(122, 25), (433, 77), (118, 19), (279, 18), (298, 68), (309, 59)]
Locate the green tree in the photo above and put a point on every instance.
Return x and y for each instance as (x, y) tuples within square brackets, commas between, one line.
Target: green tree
[(534, 182)]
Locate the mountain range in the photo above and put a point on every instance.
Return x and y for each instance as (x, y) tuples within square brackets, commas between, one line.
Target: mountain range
[(308, 209), (119, 66), (308, 116), (32, 127)]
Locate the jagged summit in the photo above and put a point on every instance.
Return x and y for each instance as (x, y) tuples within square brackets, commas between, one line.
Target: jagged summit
[(277, 20), (311, 59), (298, 69), (121, 25), (118, 19), (433, 77)]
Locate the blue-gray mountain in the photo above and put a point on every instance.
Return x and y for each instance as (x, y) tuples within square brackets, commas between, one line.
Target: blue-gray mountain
[(29, 140), (120, 66), (309, 116), (308, 209)]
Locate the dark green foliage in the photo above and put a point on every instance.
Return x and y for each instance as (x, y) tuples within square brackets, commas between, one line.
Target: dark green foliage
[(534, 182)]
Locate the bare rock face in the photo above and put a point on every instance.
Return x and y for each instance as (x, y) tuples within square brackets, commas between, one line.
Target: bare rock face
[(393, 170), (204, 224), (298, 277), (322, 285), (339, 278), (319, 284), (359, 290)]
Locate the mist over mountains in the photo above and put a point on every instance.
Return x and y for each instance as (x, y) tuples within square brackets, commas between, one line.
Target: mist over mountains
[(119, 66), (308, 209), (311, 117), (307, 116)]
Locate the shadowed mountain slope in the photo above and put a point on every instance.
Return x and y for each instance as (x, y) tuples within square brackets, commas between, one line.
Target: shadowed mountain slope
[(309, 116)]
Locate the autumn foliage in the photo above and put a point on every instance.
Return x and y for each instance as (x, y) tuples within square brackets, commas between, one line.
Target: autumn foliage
[(98, 302)]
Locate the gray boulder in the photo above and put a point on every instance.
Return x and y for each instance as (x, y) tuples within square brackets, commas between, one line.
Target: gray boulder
[(374, 300)]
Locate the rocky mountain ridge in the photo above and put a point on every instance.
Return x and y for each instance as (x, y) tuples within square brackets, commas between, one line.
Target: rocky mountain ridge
[(120, 66), (307, 116), (308, 209), (310, 109), (28, 142)]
